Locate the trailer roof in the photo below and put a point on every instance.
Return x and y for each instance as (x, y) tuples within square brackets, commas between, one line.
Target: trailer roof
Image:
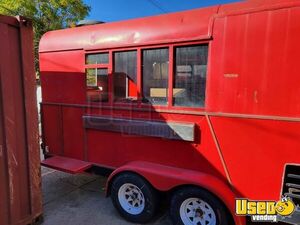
[(174, 27)]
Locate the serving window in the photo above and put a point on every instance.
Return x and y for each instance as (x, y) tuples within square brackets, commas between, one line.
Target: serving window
[(168, 76), (125, 76), (97, 85), (190, 76), (155, 76)]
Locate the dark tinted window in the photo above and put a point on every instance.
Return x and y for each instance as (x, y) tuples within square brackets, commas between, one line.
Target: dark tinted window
[(99, 58), (155, 76), (190, 76), (97, 85), (125, 69)]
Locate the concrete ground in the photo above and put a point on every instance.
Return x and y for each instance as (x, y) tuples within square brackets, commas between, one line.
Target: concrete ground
[(80, 200)]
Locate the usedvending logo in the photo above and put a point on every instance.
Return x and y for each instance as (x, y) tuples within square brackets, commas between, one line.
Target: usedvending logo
[(265, 211)]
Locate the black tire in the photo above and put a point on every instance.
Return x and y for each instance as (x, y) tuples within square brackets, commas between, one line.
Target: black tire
[(150, 197), (180, 196)]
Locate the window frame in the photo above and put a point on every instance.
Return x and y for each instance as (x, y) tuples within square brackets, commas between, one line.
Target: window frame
[(139, 103), (169, 74), (174, 74), (98, 66), (95, 53), (113, 72)]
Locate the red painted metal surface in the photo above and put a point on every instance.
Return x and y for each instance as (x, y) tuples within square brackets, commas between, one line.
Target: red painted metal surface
[(20, 189), (248, 129), (145, 31), (266, 81), (260, 153), (66, 164)]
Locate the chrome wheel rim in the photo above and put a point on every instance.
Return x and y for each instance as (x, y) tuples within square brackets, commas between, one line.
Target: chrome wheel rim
[(194, 211), (131, 199)]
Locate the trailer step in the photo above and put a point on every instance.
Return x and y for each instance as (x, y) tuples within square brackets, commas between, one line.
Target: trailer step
[(68, 165)]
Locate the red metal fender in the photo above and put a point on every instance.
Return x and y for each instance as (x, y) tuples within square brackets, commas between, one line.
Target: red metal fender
[(165, 178)]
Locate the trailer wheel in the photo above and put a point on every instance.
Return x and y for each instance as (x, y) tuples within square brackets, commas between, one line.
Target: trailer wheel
[(195, 206), (134, 198)]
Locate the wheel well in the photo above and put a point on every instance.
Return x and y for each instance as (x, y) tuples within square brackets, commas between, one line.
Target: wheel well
[(180, 187), (169, 193), (126, 172)]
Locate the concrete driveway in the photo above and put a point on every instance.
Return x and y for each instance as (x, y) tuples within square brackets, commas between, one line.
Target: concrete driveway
[(80, 200)]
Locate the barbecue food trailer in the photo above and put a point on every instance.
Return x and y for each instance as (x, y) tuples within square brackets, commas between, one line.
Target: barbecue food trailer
[(201, 105)]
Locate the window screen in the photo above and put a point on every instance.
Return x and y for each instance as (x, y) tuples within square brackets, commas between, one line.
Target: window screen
[(97, 85), (125, 70), (155, 76), (190, 76), (99, 58)]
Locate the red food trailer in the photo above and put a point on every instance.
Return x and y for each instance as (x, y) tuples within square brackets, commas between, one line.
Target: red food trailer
[(201, 105)]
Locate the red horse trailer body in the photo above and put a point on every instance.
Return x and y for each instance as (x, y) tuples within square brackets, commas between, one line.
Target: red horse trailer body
[(204, 98)]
